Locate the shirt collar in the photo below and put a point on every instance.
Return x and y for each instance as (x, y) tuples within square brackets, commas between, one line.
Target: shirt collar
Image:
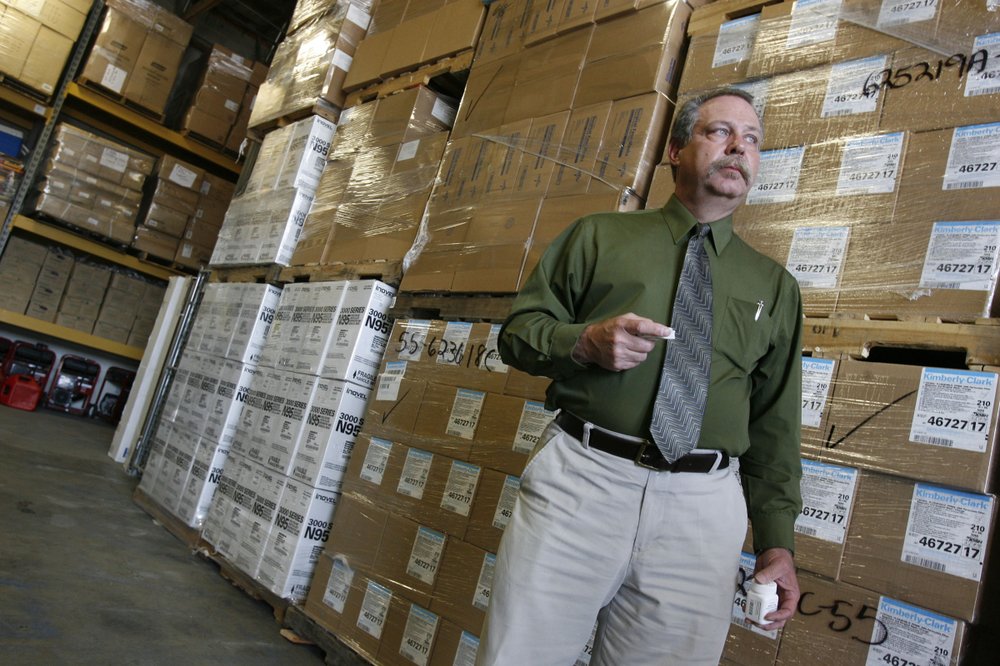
[(680, 221)]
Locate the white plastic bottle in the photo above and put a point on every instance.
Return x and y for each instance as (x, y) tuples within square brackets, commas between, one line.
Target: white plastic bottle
[(762, 598)]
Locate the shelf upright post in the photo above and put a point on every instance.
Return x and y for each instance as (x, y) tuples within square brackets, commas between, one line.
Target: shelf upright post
[(38, 154)]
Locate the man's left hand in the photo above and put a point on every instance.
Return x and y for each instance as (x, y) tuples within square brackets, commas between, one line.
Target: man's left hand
[(776, 564)]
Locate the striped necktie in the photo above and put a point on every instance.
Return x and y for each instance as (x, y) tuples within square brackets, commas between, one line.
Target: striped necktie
[(680, 401)]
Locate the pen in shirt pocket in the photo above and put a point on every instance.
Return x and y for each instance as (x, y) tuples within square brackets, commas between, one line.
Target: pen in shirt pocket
[(760, 308)]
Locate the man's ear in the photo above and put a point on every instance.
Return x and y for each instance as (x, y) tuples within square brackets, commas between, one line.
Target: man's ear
[(673, 152)]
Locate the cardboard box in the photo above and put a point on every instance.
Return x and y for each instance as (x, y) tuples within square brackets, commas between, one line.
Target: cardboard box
[(46, 59), (547, 78), (463, 590), (879, 415), (839, 623), (410, 634), (409, 559), (492, 509), (365, 613), (395, 402), (893, 543), (154, 242)]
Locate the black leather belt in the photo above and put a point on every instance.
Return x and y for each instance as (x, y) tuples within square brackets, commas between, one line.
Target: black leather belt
[(644, 453)]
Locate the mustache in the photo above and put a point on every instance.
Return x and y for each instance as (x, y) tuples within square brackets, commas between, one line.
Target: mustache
[(733, 161)]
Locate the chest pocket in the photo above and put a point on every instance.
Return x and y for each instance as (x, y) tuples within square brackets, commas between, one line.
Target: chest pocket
[(743, 336)]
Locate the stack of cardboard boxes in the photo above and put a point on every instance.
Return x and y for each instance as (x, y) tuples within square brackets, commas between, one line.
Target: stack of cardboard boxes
[(175, 192), (565, 113), (310, 64), (430, 486), (137, 52), (93, 183), (220, 110), (383, 164), (36, 39), (19, 268), (264, 222)]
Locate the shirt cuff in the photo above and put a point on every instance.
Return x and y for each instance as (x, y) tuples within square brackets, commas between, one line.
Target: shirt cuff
[(561, 352), (774, 530)]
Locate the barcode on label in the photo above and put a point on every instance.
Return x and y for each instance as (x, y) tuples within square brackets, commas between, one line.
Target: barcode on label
[(808, 531), (937, 441), (948, 285), (964, 186), (984, 91), (927, 564), (842, 112)]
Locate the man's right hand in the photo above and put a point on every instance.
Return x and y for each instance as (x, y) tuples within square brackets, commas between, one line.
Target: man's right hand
[(618, 344)]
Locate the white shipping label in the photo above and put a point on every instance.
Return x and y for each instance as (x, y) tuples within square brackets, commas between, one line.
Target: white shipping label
[(845, 89), (534, 419), (114, 78), (490, 360), (505, 507), (341, 60), (426, 555), (813, 22), (985, 80), (484, 587), (416, 469), (736, 39), (358, 16), (588, 650), (954, 409), (374, 608), (870, 165), (338, 586), (444, 112), (389, 381), (418, 636), (759, 89), (974, 158), (468, 649), (905, 634), (962, 255), (465, 413), (817, 378), (182, 176), (739, 616), (898, 12), (453, 343), (817, 256), (462, 481), (114, 159), (778, 178), (32, 8), (412, 340), (947, 531), (827, 497), (232, 105), (376, 459), (408, 150)]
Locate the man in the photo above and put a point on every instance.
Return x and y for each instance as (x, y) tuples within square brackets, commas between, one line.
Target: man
[(606, 526)]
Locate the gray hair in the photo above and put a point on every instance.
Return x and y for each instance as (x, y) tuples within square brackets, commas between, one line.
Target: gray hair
[(687, 115)]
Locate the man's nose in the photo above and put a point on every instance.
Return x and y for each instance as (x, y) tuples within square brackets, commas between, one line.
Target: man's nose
[(736, 145)]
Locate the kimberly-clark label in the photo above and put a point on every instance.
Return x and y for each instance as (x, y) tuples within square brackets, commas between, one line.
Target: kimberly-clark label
[(468, 649), (114, 159), (778, 178), (338, 585), (905, 634), (374, 609), (962, 255), (426, 555), (454, 342), (534, 419), (739, 616), (817, 255), (870, 165), (412, 340), (899, 12), (389, 381), (481, 598), (813, 22), (736, 39), (491, 360), (416, 470), (461, 488), (418, 636), (985, 81), (845, 90), (954, 409), (817, 378), (505, 507), (947, 531), (465, 413), (972, 158), (376, 460), (408, 150), (827, 497)]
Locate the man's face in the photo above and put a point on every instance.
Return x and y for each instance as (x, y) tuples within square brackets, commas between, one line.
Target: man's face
[(723, 156)]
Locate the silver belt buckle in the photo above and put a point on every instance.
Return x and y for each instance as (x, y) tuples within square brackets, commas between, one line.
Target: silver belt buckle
[(638, 457)]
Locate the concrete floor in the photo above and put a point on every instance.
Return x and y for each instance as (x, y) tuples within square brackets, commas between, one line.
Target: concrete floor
[(86, 577)]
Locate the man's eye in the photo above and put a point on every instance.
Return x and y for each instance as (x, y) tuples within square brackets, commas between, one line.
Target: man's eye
[(752, 139), (719, 131)]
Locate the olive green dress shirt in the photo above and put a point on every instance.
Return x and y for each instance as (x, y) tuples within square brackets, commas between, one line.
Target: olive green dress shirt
[(609, 264)]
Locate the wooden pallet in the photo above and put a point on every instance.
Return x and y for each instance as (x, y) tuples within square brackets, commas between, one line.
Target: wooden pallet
[(422, 75), (390, 272), (189, 536), (267, 273), (979, 342), (205, 141), (318, 107), (22, 88), (304, 627), (127, 103), (453, 306), (250, 587)]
